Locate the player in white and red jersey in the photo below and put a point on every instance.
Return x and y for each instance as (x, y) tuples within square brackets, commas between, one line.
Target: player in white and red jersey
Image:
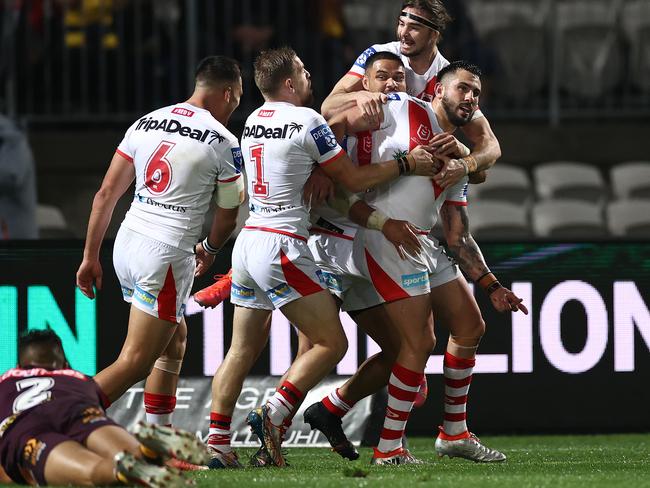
[(426, 279), (421, 23), (53, 430), (271, 263), (178, 156)]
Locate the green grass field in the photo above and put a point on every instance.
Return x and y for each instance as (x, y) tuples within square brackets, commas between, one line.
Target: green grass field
[(533, 461)]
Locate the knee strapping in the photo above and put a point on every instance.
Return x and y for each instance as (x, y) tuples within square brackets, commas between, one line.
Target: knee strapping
[(465, 342), (167, 365)]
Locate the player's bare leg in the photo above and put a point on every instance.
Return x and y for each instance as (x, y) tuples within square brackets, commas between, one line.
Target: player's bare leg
[(414, 323), (454, 305), (146, 339), (70, 463), (160, 387), (250, 335), (372, 375), (315, 315)]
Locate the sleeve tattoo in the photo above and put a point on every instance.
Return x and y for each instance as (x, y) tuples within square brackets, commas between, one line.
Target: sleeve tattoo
[(460, 243)]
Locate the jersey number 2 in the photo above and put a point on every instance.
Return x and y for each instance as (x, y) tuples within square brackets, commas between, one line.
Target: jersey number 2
[(260, 187), (158, 171), (34, 392)]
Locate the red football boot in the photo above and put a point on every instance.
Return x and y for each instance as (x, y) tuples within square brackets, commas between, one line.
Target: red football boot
[(216, 293)]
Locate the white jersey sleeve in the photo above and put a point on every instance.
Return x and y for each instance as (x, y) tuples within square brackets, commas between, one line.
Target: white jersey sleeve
[(457, 194), (319, 141)]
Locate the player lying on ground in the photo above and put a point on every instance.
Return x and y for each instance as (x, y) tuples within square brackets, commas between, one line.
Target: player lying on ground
[(54, 432)]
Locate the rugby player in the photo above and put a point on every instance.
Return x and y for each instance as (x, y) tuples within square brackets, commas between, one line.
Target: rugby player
[(53, 430), (272, 265), (415, 280), (420, 27), (177, 155)]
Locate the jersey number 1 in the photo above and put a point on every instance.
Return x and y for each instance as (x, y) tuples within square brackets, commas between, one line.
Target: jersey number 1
[(158, 171), (260, 187)]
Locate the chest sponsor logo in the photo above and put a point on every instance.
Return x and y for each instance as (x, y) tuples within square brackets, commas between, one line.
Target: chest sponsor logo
[(183, 111), (259, 131), (363, 57), (279, 292), (237, 158), (415, 280), (324, 139), (265, 113), (173, 126), (242, 292), (144, 297)]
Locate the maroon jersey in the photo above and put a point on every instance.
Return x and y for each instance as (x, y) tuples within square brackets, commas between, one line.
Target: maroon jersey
[(23, 389)]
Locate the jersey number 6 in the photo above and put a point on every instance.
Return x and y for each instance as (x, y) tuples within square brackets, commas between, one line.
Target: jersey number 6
[(158, 171)]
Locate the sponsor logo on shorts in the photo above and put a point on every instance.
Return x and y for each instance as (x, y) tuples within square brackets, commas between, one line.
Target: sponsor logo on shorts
[(181, 310), (416, 279), (144, 297), (242, 292), (92, 415), (363, 57), (333, 281), (464, 192), (237, 158), (33, 450), (324, 138), (4, 425), (127, 292), (279, 292)]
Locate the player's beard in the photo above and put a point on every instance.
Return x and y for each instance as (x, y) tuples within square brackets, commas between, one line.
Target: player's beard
[(452, 114)]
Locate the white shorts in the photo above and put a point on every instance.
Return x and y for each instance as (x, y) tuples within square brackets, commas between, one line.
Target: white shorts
[(395, 278), (155, 277), (333, 255), (270, 270)]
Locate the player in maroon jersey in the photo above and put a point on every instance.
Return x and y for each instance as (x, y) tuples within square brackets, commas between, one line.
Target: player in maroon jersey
[(53, 429)]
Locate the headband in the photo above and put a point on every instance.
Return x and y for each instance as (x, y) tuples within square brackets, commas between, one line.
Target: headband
[(421, 20)]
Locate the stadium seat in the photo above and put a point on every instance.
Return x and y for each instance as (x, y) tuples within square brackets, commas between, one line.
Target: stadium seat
[(568, 219), (51, 223), (589, 48), (635, 20), (631, 179), (571, 180), (505, 182), (515, 32), (629, 218), (498, 221)]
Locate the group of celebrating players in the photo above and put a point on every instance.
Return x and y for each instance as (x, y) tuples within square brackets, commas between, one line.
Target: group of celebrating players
[(341, 210)]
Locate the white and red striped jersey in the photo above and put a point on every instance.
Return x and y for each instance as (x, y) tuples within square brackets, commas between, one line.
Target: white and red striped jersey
[(280, 144), (408, 122), (420, 86), (179, 153)]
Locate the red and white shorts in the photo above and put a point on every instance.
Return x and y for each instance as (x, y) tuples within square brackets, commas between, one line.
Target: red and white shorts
[(155, 277), (270, 270), (395, 278), (333, 255)]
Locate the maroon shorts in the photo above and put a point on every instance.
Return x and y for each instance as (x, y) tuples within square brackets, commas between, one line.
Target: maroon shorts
[(25, 445)]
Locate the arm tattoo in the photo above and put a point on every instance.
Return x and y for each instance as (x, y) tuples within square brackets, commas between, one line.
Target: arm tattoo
[(460, 243)]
